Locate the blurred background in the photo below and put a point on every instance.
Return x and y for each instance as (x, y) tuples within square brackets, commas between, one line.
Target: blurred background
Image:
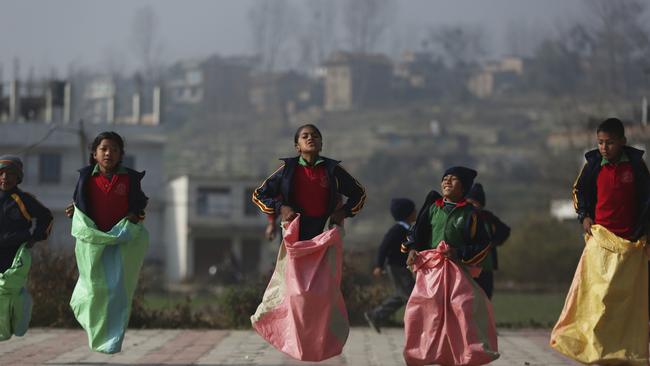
[(208, 94)]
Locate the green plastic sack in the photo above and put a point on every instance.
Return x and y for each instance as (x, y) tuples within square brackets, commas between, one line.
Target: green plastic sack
[(109, 265), (15, 301)]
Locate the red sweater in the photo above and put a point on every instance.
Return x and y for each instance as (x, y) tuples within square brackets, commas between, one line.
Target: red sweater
[(109, 200), (616, 205), (310, 191)]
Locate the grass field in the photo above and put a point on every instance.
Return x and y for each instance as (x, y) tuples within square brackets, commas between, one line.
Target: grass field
[(511, 309), (527, 309)]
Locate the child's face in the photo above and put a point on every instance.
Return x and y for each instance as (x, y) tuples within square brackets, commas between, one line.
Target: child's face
[(8, 179), (610, 146), (452, 188), (412, 217), (107, 155), (309, 141)]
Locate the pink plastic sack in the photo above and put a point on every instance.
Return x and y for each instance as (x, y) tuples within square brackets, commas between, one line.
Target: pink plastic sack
[(302, 312), (448, 318)]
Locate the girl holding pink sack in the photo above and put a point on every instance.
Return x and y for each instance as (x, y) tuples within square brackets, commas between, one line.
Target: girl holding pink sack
[(302, 312), (448, 318)]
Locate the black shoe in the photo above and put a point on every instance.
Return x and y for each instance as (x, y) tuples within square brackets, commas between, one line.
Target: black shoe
[(371, 322)]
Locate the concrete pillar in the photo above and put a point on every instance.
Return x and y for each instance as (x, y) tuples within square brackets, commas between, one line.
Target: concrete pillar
[(49, 105), (137, 115), (67, 103), (157, 105), (110, 109)]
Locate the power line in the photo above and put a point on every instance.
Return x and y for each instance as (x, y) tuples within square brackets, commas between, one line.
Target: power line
[(37, 143), (79, 131)]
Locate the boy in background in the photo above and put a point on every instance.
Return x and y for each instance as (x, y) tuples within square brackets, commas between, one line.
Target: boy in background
[(498, 233), (391, 256)]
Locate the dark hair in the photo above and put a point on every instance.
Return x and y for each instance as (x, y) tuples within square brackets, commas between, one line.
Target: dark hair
[(106, 135), (295, 137), (612, 126)]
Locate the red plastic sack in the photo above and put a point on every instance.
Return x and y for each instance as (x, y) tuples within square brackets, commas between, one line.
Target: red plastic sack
[(302, 312), (448, 318)]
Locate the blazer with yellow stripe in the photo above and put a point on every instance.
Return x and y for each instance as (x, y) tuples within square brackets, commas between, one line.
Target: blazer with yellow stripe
[(275, 191), (19, 210)]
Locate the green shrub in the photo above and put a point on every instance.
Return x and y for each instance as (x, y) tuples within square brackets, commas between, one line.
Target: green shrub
[(541, 251), (236, 304), (361, 293), (54, 275), (182, 315), (51, 280)]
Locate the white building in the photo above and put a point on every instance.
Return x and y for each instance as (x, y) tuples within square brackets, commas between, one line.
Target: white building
[(213, 229), (53, 152)]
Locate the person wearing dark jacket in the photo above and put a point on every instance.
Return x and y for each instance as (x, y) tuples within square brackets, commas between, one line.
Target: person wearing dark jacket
[(18, 209), (107, 191), (391, 257), (498, 233), (310, 185), (613, 187), (621, 208), (449, 217)]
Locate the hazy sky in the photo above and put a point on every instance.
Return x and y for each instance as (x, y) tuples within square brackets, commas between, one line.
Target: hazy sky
[(55, 33)]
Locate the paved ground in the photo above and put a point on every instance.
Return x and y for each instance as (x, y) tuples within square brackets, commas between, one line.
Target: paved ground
[(224, 347)]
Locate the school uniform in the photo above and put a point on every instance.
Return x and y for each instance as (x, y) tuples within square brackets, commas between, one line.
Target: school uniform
[(457, 223), (311, 190), (615, 195), (107, 201), (18, 210)]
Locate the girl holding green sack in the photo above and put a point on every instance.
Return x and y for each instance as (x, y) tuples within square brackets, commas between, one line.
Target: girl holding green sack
[(18, 210), (110, 242)]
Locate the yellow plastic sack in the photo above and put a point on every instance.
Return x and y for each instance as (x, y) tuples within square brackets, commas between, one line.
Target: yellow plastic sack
[(605, 315)]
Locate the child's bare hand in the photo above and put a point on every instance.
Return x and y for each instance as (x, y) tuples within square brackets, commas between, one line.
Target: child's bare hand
[(449, 252), (337, 217), (133, 217), (377, 271), (69, 210), (587, 222), (288, 214), (411, 258), (270, 231)]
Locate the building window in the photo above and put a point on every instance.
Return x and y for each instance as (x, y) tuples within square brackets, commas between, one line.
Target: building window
[(194, 77), (128, 161), (49, 168), (214, 202), (250, 209)]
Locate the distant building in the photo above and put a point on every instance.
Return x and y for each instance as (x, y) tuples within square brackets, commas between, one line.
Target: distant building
[(120, 100), (354, 80), (44, 101), (496, 76), (419, 74), (283, 92), (216, 84), (213, 231)]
